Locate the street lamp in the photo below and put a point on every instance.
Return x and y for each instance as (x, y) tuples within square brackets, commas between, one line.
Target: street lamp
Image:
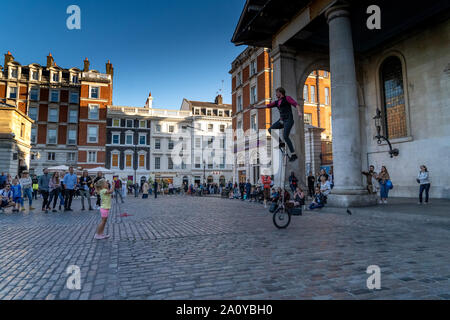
[(380, 138)]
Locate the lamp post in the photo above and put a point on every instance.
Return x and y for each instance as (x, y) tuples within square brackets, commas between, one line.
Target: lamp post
[(380, 138)]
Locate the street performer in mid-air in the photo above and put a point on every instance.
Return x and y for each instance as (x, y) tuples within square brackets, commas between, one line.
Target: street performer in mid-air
[(286, 121)]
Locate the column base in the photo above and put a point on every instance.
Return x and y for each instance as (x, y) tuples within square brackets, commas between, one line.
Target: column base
[(354, 198)]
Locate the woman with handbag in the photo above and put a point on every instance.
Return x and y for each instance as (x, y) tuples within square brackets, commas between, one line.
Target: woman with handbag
[(385, 184), (424, 180)]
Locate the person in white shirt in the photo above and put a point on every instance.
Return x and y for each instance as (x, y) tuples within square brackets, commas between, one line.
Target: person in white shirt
[(424, 180), (325, 186)]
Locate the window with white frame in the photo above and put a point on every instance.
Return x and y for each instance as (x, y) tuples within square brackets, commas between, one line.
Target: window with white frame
[(33, 134), (220, 113), (129, 138), (142, 139), (253, 123), (210, 142), (305, 92), (93, 112), (252, 67), (170, 163), (32, 113), (14, 73), (197, 163), (308, 118), (313, 94), (142, 124), (74, 78), (74, 97), (92, 134), (196, 111), (71, 156), (253, 95), (52, 115), (115, 138), (239, 128), (51, 136), (157, 144), (209, 112), (55, 77), (222, 128), (92, 157), (94, 92), (141, 162), (239, 79), (54, 96), (198, 143), (73, 115), (116, 123), (72, 137), (239, 103), (13, 92), (34, 94), (171, 128), (51, 156), (35, 75), (158, 128), (129, 123), (171, 144), (210, 127), (327, 95), (128, 160), (157, 163), (115, 159)]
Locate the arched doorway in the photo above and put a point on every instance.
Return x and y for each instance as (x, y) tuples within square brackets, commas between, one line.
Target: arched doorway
[(318, 121), (185, 180), (222, 181), (210, 179)]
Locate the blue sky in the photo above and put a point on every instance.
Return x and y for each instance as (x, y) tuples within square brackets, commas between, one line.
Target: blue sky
[(174, 48)]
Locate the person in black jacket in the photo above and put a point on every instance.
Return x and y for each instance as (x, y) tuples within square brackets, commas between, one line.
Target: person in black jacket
[(155, 188), (85, 183)]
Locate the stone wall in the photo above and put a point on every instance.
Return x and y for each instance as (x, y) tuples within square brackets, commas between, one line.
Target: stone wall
[(425, 57)]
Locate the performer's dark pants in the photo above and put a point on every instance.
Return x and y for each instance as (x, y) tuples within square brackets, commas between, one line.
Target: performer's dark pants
[(287, 126)]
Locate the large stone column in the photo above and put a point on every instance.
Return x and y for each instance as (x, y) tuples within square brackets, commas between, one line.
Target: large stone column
[(284, 76), (348, 188)]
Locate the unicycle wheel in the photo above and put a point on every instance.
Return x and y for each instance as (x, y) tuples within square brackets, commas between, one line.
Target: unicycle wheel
[(281, 218)]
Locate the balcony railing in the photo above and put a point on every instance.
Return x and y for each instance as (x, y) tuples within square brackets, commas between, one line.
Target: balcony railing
[(148, 112)]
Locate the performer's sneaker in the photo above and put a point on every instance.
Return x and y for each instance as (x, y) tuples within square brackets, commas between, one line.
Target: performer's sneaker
[(293, 157)]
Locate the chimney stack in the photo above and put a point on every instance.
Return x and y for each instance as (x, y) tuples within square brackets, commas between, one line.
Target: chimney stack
[(219, 99), (8, 58), (149, 102), (109, 68), (50, 61), (86, 65)]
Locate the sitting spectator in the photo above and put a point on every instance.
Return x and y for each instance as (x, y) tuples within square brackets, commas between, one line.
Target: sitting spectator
[(299, 197), (325, 186), (6, 196), (319, 200)]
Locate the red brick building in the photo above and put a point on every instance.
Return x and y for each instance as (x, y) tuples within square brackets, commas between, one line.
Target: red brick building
[(251, 85), (68, 107)]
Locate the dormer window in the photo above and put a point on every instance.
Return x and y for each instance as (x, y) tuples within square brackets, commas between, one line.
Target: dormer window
[(75, 79), (14, 73), (55, 77), (35, 75)]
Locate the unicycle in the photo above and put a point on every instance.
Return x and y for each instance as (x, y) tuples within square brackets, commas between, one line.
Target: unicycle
[(282, 215)]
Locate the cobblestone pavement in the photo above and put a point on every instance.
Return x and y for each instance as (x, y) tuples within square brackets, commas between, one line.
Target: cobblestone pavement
[(178, 247)]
